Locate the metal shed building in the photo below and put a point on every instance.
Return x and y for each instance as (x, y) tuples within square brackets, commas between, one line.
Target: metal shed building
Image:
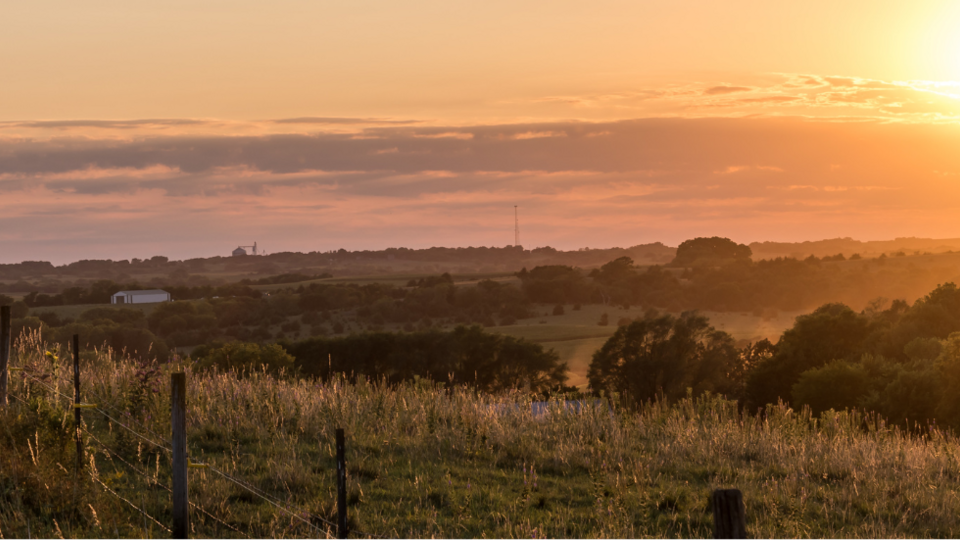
[(140, 297)]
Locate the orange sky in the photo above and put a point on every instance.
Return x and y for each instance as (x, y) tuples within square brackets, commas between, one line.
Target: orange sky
[(130, 129)]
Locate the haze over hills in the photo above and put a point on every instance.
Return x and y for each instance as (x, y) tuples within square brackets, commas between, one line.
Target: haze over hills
[(468, 260), (849, 246)]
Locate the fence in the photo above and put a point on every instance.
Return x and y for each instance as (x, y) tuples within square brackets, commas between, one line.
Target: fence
[(727, 505)]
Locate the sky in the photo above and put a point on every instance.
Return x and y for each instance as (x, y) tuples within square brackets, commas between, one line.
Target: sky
[(185, 129)]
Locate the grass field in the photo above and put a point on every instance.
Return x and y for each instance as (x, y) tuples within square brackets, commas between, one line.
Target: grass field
[(428, 461)]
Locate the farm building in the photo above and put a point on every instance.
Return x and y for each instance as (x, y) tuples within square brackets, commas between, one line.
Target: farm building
[(140, 297), (239, 252)]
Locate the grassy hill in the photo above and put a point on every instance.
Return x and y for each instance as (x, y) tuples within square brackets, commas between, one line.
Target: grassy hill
[(425, 460)]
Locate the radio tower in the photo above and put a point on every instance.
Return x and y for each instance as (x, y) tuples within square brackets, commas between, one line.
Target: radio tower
[(516, 227)]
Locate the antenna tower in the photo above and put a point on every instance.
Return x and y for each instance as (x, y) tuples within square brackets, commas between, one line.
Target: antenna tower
[(516, 227)]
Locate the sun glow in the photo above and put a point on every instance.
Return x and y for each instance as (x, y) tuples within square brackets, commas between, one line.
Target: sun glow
[(937, 50)]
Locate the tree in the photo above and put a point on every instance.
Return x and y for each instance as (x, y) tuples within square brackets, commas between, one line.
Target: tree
[(616, 279), (467, 355), (710, 252), (664, 356), (837, 385), (936, 315), (555, 284), (239, 356), (831, 332), (19, 309)]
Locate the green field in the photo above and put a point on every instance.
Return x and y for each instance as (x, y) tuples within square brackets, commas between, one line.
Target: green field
[(428, 461)]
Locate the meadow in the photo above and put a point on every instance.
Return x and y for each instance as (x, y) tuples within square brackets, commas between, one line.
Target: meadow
[(429, 460)]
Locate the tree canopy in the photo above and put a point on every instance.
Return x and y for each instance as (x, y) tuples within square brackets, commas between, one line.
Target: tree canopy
[(663, 356), (710, 252)]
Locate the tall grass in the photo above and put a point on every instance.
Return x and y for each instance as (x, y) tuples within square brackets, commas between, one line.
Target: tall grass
[(428, 460)]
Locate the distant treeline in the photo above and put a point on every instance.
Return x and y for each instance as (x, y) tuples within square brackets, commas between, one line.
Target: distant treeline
[(740, 284), (45, 277), (491, 362), (706, 273), (242, 313), (100, 292)]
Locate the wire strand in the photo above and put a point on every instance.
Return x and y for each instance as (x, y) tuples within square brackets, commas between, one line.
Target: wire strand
[(115, 494), (256, 492), (101, 411), (248, 487), (161, 484)]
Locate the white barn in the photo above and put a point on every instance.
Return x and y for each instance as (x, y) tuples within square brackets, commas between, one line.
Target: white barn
[(140, 297)]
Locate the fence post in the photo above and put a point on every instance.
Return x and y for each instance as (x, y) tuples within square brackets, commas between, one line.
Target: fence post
[(729, 517), (76, 399), (4, 352), (178, 406), (341, 487)]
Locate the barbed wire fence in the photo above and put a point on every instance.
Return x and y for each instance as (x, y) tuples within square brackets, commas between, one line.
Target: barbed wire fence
[(307, 518)]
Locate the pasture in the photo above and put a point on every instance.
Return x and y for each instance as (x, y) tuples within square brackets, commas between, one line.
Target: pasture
[(426, 460)]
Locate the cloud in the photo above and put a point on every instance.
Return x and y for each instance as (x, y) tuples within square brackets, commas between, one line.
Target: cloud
[(104, 124), (336, 120), (717, 90), (829, 97), (772, 176)]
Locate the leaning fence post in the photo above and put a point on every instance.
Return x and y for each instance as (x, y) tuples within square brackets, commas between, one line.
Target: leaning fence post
[(4, 352), (76, 399), (729, 517), (341, 488), (178, 406)]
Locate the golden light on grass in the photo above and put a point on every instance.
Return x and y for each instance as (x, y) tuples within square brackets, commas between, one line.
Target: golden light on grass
[(425, 460)]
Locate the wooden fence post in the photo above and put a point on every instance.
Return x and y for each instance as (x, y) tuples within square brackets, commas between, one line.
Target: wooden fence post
[(4, 352), (729, 517), (76, 400), (341, 487), (178, 406)]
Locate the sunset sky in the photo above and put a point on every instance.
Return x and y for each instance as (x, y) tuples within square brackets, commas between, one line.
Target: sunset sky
[(132, 129)]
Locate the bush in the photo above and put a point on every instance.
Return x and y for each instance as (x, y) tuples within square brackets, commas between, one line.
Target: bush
[(238, 357), (19, 309)]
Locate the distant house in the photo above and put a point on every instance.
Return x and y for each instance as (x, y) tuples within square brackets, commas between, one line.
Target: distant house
[(140, 297), (239, 251)]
